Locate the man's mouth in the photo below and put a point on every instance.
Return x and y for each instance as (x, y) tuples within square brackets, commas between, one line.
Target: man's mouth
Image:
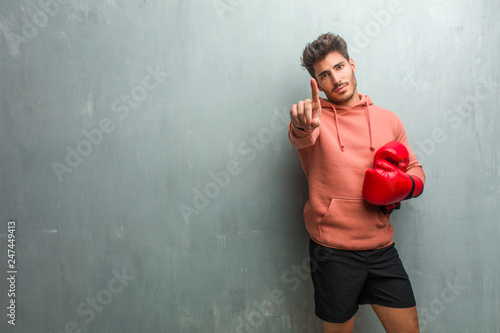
[(341, 89)]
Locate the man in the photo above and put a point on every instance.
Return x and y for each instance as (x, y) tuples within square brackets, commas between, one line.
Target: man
[(353, 258)]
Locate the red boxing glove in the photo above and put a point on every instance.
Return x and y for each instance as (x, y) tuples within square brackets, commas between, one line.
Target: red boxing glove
[(395, 153), (387, 184)]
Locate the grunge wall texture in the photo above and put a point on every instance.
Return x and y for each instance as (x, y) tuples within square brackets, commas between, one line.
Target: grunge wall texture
[(145, 161)]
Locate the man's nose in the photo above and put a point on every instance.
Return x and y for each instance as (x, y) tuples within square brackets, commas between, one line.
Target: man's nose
[(335, 78)]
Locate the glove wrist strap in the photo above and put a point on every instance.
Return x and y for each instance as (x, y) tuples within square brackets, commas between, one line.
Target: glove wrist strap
[(410, 195)]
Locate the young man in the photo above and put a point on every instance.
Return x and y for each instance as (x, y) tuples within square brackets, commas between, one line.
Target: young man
[(339, 138)]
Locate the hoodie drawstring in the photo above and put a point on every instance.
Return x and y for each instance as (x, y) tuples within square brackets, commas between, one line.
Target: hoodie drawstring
[(342, 148), (338, 131), (372, 148)]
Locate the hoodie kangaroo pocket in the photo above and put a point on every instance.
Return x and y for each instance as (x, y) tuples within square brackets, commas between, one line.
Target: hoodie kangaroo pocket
[(352, 215)]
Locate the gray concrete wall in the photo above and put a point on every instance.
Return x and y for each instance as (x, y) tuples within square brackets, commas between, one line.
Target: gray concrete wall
[(145, 161)]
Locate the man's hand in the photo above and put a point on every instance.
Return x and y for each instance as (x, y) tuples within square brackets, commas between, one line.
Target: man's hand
[(305, 114)]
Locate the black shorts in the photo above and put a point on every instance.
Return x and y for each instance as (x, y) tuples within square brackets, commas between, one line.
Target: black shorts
[(344, 279)]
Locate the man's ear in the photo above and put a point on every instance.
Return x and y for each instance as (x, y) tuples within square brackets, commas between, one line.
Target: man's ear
[(353, 65)]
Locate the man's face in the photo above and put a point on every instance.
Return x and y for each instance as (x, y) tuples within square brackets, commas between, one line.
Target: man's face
[(335, 76)]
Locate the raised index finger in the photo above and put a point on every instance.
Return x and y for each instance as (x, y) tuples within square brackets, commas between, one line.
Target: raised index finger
[(315, 91)]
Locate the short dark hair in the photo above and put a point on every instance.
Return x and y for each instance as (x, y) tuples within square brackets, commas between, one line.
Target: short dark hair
[(320, 48)]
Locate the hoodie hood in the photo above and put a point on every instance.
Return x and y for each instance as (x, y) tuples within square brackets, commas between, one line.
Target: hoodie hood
[(362, 105)]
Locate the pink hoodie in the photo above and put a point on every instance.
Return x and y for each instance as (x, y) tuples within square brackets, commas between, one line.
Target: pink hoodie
[(334, 158)]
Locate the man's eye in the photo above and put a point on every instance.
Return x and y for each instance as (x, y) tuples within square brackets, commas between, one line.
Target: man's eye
[(340, 67), (324, 76)]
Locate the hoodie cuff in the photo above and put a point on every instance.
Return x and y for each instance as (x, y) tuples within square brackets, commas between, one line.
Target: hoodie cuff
[(299, 132)]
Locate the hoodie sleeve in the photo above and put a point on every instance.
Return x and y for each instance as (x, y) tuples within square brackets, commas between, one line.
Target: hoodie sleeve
[(302, 139), (414, 167)]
